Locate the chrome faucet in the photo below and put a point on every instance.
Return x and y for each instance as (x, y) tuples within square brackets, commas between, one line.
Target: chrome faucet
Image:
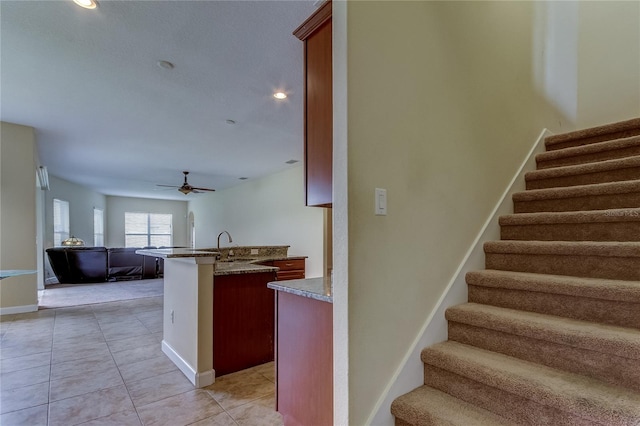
[(220, 234)]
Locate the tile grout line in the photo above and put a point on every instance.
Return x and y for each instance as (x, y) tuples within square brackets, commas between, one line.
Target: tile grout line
[(119, 372)]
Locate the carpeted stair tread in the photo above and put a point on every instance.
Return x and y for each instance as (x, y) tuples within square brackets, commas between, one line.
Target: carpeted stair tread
[(566, 248), (595, 288), (570, 393), (588, 216), (616, 130), (583, 174), (589, 225), (426, 406), (619, 341), (595, 259), (589, 190), (600, 151), (599, 196)]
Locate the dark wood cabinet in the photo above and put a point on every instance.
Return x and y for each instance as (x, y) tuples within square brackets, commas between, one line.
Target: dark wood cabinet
[(304, 363), (290, 269), (315, 34), (243, 321)]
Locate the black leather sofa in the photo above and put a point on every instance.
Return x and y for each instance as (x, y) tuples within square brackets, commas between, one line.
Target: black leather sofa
[(76, 265)]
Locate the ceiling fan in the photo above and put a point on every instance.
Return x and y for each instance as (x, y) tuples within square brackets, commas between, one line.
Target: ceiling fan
[(186, 188)]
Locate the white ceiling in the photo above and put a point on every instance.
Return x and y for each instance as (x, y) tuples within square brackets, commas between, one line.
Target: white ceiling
[(109, 118)]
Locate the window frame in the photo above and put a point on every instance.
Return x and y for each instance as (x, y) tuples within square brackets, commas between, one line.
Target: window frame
[(61, 226), (98, 237), (149, 225)]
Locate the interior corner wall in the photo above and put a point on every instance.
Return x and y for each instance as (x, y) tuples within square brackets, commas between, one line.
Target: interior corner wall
[(117, 206), (18, 217), (266, 211)]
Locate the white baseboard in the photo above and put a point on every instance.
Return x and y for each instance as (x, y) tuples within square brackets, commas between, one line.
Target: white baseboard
[(410, 373), (18, 309), (199, 380)]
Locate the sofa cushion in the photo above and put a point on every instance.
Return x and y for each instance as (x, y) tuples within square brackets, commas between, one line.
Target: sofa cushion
[(124, 263)]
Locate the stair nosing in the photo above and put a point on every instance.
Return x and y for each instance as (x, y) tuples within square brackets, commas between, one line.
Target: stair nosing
[(436, 401), (578, 191), (542, 384), (571, 217), (592, 148), (565, 331), (592, 288), (605, 129), (584, 169), (565, 248)]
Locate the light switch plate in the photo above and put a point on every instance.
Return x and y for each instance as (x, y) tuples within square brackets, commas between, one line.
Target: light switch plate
[(381, 202)]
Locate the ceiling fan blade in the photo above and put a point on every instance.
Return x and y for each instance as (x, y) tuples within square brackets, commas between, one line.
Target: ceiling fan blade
[(168, 186), (203, 189)]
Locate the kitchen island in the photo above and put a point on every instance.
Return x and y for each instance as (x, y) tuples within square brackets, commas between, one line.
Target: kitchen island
[(218, 312), (187, 325), (304, 351)]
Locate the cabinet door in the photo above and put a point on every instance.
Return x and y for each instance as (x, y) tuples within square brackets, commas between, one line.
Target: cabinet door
[(243, 321), (316, 34), (304, 365)]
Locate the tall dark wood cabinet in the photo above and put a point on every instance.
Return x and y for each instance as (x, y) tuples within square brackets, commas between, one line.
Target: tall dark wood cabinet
[(315, 33)]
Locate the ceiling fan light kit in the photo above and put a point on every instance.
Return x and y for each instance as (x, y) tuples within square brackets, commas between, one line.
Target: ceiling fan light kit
[(87, 4), (186, 188)]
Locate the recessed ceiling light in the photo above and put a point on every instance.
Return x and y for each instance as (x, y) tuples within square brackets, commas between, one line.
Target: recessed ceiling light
[(165, 64), (291, 161), (280, 95), (87, 4), (230, 122), (243, 178)]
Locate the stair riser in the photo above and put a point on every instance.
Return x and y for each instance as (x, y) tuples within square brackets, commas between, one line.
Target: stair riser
[(621, 268), (593, 202), (617, 175), (627, 151), (619, 313), (593, 139), (608, 367), (603, 231), (508, 405)]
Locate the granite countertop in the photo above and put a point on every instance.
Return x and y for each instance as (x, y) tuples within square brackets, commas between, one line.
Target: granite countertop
[(241, 263), (248, 266), (314, 288), (178, 252)]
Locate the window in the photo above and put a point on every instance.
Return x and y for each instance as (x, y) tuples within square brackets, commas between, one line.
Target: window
[(60, 221), (147, 229), (98, 227)]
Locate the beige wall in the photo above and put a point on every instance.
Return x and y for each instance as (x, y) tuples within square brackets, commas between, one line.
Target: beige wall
[(267, 211), (17, 217), (608, 61), (117, 206), (444, 101)]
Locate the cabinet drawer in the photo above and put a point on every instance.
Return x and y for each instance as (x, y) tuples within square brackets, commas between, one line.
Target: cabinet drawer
[(290, 275), (289, 265)]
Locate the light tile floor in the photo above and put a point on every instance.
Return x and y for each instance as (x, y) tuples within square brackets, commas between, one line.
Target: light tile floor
[(101, 364)]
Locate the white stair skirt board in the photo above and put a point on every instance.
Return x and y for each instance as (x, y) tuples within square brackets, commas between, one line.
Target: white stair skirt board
[(198, 380), (18, 309), (409, 374)]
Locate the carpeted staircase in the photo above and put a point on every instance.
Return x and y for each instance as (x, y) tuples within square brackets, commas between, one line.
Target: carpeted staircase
[(551, 332)]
